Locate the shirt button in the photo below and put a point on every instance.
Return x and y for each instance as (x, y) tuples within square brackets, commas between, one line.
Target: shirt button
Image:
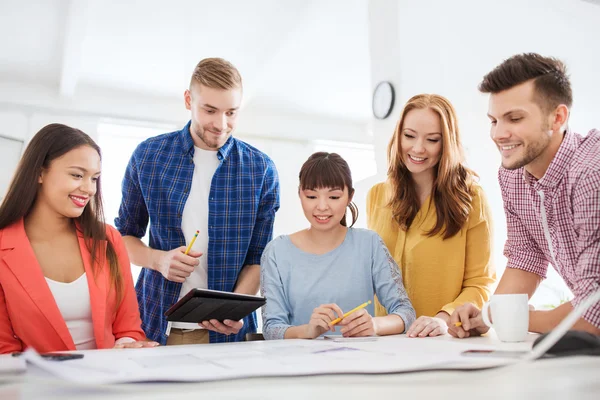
[(178, 215)]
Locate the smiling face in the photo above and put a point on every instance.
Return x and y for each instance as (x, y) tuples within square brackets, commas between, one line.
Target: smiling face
[(421, 141), (519, 128), (214, 114), (324, 208), (70, 182)]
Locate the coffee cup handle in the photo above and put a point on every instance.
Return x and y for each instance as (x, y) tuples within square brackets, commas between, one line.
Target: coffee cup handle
[(485, 314)]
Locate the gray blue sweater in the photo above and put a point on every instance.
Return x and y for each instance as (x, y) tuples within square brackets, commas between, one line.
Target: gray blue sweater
[(295, 282)]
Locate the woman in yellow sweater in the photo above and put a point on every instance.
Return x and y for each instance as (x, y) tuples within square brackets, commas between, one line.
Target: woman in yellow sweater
[(433, 217)]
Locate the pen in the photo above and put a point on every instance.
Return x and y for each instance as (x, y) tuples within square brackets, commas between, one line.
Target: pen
[(457, 324), (191, 243), (363, 305)]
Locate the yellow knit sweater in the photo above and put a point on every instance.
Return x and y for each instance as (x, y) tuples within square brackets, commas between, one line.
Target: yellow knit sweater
[(439, 275)]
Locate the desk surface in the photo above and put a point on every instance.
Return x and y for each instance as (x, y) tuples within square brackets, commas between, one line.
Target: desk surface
[(572, 377)]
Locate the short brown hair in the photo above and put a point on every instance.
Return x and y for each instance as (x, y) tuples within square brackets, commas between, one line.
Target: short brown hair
[(217, 73), (551, 82), (328, 170)]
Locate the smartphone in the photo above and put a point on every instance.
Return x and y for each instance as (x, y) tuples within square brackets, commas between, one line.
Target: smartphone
[(494, 353), (56, 356), (62, 356)]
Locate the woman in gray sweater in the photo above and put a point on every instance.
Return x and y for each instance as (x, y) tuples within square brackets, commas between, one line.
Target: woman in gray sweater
[(311, 276)]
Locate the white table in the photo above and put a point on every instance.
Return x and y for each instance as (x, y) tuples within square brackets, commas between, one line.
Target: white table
[(560, 378)]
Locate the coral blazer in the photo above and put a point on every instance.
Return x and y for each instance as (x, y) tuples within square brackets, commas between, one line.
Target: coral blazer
[(29, 315)]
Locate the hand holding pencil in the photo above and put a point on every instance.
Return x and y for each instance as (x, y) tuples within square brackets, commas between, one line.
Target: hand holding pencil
[(466, 321), (356, 322), (177, 264), (337, 320), (320, 319)]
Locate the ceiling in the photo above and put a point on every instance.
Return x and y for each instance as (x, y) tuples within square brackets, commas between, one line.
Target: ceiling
[(301, 56)]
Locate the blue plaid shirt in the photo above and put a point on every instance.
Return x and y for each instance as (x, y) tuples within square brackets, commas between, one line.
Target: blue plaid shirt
[(244, 196)]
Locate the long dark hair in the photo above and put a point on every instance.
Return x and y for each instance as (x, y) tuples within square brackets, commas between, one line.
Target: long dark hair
[(328, 170), (51, 142)]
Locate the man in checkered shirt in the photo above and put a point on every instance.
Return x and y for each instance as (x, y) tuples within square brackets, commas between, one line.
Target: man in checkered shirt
[(550, 181), (200, 178)]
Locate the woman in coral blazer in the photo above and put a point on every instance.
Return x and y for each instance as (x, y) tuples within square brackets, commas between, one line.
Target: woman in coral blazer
[(433, 217), (65, 278)]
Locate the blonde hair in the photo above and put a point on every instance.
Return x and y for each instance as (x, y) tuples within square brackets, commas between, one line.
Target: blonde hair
[(452, 186), (216, 73)]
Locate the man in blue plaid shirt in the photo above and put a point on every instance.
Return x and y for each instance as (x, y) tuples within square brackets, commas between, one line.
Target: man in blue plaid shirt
[(199, 178)]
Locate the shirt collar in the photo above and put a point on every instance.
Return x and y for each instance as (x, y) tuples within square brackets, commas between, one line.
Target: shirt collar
[(188, 143), (186, 139), (559, 165)]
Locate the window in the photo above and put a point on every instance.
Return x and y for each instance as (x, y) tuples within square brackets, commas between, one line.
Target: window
[(359, 156), (118, 141), (10, 154)]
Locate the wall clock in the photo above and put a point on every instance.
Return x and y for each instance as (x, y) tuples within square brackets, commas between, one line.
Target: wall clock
[(383, 100)]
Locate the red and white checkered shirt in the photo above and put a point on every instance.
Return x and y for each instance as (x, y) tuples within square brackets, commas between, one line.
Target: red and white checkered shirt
[(556, 219)]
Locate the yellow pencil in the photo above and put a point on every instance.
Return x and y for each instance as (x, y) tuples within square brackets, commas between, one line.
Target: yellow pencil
[(191, 243), (363, 305), (457, 324)]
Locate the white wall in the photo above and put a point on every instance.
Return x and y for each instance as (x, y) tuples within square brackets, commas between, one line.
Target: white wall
[(445, 47), (288, 140), (13, 124), (26, 99), (21, 124), (427, 46), (288, 157), (13, 129)]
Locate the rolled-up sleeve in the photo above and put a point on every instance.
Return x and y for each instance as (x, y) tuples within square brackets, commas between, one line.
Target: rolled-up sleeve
[(127, 322), (133, 212), (387, 281), (275, 314), (8, 340), (586, 211), (265, 218), (520, 248)]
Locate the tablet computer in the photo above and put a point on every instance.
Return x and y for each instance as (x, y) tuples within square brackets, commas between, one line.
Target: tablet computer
[(203, 304)]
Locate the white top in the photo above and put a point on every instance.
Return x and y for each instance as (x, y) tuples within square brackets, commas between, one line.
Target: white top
[(195, 217), (73, 301)]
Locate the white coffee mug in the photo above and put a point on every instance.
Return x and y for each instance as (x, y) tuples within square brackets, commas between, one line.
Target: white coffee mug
[(510, 313)]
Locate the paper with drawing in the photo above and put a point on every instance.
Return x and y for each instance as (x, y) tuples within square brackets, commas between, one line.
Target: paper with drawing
[(252, 359)]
